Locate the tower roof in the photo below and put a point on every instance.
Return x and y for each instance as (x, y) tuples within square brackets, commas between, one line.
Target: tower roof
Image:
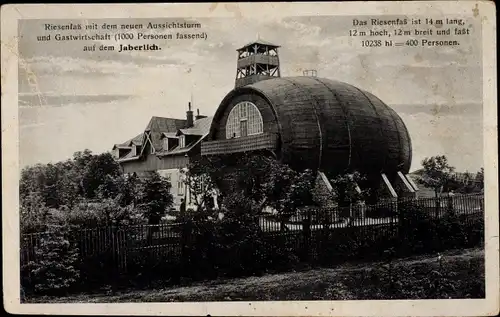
[(258, 42)]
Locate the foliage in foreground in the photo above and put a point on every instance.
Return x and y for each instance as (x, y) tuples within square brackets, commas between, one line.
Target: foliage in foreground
[(100, 196), (229, 245), (212, 246), (457, 274), (56, 271)]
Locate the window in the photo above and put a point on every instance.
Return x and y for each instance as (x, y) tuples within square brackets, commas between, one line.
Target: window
[(182, 141), (165, 144), (180, 187), (121, 152), (244, 119), (136, 150)]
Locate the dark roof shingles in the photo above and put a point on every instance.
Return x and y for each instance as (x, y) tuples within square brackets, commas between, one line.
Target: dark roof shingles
[(159, 126)]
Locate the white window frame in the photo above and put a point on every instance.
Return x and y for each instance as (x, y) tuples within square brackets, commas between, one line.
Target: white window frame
[(165, 144), (181, 187), (244, 111), (182, 141)]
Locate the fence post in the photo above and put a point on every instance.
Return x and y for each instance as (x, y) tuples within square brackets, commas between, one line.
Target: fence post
[(306, 231), (186, 232), (326, 217), (438, 207)]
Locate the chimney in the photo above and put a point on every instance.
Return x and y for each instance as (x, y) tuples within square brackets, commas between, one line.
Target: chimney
[(189, 116), (198, 115)]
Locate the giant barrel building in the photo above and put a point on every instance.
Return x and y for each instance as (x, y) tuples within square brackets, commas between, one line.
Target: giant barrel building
[(311, 122)]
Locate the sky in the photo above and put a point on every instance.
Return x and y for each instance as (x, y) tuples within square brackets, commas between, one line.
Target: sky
[(78, 100)]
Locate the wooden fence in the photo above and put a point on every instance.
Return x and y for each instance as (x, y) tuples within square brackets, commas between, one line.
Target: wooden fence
[(311, 234)]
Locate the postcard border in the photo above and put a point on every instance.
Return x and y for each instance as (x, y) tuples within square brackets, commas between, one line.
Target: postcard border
[(10, 14)]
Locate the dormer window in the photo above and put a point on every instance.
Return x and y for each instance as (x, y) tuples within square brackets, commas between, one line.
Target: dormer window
[(121, 152), (244, 119)]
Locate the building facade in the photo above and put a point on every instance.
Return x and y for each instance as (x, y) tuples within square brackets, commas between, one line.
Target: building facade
[(166, 146)]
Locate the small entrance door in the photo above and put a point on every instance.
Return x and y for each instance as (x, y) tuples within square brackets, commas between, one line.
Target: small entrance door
[(243, 128)]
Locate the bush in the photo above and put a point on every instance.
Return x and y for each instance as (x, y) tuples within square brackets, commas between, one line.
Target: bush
[(33, 214), (416, 230), (243, 246), (221, 247), (55, 268), (233, 245), (88, 214), (420, 232)]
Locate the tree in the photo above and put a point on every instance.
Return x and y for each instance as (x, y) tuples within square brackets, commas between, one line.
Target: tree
[(64, 183), (54, 182), (480, 179), (55, 269), (199, 177), (65, 188), (131, 190), (68, 185), (266, 182), (31, 182), (33, 213), (96, 171), (156, 198), (270, 183), (346, 188), (82, 158), (436, 173), (287, 190), (347, 191)]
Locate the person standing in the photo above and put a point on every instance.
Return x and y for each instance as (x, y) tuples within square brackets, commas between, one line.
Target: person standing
[(183, 206), (450, 201)]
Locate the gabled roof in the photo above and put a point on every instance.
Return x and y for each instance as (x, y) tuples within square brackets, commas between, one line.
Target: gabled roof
[(190, 131), (201, 127), (169, 135), (159, 128), (160, 124), (137, 140), (259, 41)]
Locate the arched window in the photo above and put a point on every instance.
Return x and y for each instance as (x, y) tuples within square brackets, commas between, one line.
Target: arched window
[(244, 119)]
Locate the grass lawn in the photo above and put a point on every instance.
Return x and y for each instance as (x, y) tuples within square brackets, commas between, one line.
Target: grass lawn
[(455, 274)]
